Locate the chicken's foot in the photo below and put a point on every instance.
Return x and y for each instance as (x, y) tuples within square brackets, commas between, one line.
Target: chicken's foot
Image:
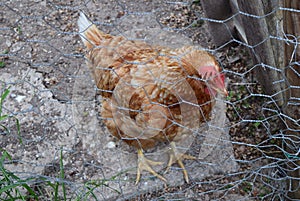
[(177, 157), (145, 164)]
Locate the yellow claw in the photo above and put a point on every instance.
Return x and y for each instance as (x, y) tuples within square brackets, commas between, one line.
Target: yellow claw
[(145, 164), (175, 156)]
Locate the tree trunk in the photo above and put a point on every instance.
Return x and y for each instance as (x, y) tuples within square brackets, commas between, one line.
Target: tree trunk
[(222, 32), (292, 107), (264, 50)]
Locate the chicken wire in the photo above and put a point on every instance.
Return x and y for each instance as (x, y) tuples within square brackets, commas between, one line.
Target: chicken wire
[(241, 152)]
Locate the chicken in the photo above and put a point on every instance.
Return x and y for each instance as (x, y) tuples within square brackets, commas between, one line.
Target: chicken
[(151, 94)]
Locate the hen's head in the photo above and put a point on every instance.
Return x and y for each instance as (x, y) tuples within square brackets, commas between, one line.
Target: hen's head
[(215, 80), (205, 64)]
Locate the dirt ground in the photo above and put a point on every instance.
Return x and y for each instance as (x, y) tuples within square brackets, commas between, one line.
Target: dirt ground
[(53, 96)]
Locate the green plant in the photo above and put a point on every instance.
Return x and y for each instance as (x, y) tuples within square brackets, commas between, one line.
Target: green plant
[(18, 29), (247, 186), (257, 124), (62, 176), (92, 185), (2, 64), (230, 95), (54, 185), (2, 98), (11, 186), (3, 117)]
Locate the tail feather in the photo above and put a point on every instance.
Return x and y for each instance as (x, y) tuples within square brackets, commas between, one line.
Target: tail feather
[(90, 35)]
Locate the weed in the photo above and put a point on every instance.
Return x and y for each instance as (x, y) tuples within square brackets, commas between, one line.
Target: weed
[(6, 116), (11, 186), (2, 64)]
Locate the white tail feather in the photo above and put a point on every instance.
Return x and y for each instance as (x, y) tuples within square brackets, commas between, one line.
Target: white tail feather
[(83, 23)]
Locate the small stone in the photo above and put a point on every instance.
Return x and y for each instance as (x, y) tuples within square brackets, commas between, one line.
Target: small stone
[(111, 145), (19, 98), (8, 43), (242, 149)]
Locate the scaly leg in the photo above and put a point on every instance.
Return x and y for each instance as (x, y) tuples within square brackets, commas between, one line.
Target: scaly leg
[(145, 164), (175, 156)]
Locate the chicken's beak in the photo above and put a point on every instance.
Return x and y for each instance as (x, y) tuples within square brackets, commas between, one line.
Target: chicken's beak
[(219, 90), (223, 92), (218, 84)]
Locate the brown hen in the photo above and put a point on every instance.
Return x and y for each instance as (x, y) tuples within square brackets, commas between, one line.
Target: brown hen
[(151, 94)]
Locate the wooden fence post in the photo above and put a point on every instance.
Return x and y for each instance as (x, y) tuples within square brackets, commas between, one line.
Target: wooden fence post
[(292, 105), (258, 22), (264, 51), (221, 33)]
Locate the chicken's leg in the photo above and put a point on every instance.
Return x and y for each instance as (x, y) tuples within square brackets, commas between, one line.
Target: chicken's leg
[(145, 164), (175, 156)]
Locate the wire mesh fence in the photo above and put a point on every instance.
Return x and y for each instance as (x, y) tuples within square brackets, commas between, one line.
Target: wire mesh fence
[(55, 143)]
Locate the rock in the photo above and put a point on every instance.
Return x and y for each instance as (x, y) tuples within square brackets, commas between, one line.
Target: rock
[(111, 145), (19, 98)]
